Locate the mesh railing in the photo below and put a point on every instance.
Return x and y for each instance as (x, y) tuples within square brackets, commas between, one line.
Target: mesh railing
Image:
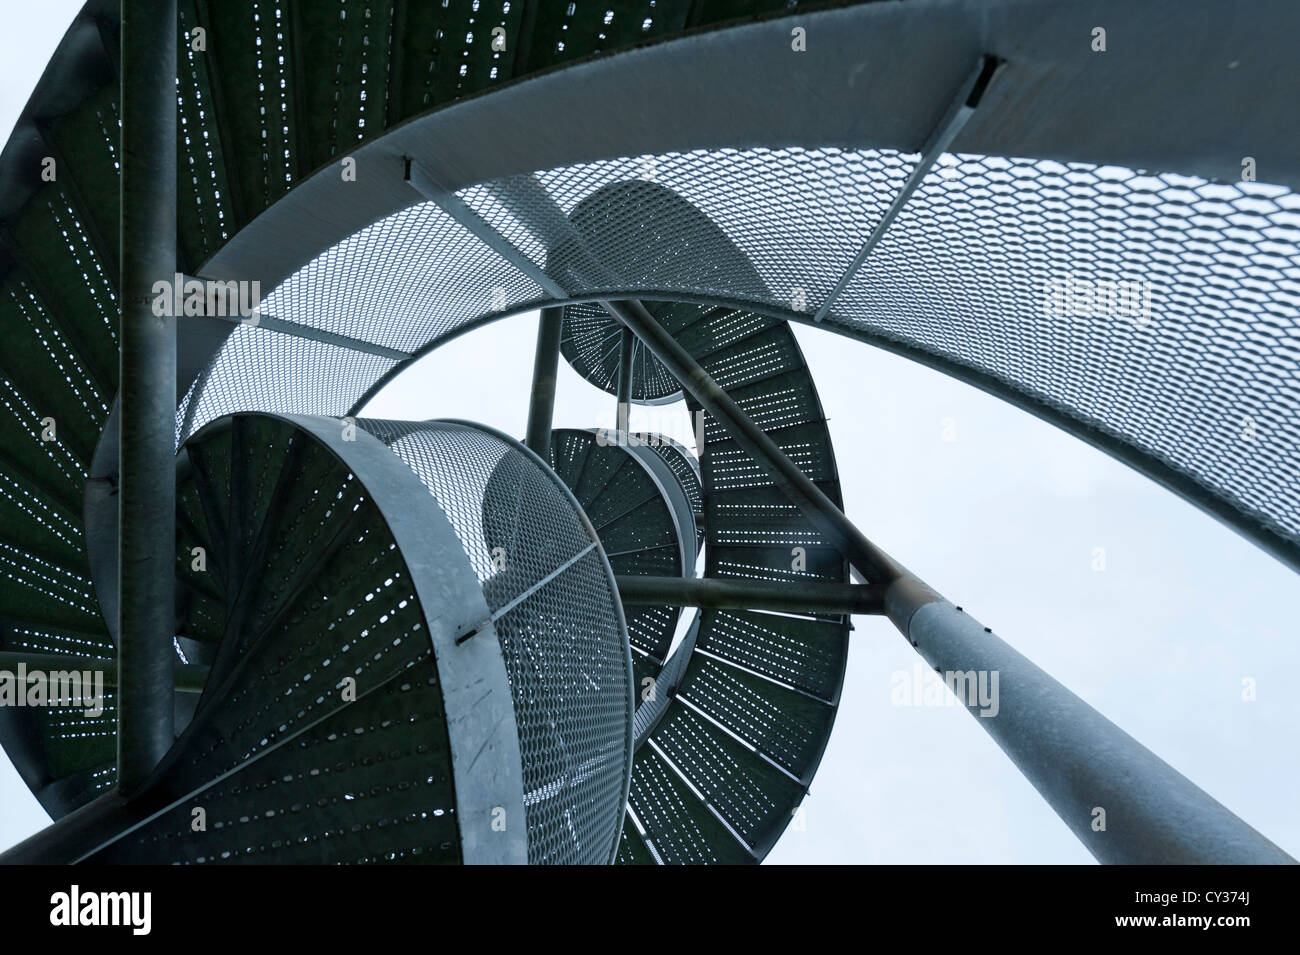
[(591, 343), (1162, 311), (559, 620)]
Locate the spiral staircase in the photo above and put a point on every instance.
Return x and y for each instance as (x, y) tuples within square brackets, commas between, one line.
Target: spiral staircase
[(395, 173)]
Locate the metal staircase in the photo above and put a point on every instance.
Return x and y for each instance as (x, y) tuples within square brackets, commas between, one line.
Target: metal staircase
[(351, 156)]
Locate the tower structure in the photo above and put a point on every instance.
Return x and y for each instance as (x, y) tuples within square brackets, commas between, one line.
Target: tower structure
[(357, 640)]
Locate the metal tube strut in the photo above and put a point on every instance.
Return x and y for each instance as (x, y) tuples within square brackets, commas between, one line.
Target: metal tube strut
[(715, 594), (958, 114), (147, 488), (624, 409), (541, 408), (1124, 803)]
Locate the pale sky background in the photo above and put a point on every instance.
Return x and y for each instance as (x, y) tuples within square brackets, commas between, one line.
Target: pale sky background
[(1003, 521)]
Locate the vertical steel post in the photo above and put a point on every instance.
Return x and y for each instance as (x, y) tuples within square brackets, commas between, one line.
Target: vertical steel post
[(147, 391), (625, 380), (541, 409)]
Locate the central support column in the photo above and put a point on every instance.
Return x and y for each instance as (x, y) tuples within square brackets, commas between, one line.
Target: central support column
[(1124, 803), (541, 409), (147, 392)]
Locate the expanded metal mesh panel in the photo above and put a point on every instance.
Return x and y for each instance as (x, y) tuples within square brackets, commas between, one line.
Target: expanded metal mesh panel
[(571, 683), (261, 370), (1164, 308), (515, 524), (1161, 309), (795, 215), (404, 281), (559, 621)]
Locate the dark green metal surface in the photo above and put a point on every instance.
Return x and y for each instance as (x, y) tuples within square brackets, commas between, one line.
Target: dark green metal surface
[(59, 248), (641, 534)]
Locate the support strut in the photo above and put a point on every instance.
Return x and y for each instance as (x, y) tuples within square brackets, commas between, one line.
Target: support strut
[(541, 407), (624, 411), (147, 489), (737, 594)]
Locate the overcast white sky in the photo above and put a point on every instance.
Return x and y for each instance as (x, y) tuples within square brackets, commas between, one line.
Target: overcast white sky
[(1004, 521)]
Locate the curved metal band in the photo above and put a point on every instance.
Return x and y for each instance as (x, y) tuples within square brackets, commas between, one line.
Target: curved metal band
[(621, 622), (1021, 115), (670, 489), (486, 768)]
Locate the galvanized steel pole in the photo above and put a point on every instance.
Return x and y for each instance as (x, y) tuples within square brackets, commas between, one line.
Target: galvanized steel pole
[(1126, 805), (541, 408), (147, 391), (624, 413)]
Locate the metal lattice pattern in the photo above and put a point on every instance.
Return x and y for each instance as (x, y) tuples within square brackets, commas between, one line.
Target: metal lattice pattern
[(1152, 307), (1158, 312), (795, 218), (261, 370), (407, 280), (1161, 308), (752, 526), (558, 617)]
